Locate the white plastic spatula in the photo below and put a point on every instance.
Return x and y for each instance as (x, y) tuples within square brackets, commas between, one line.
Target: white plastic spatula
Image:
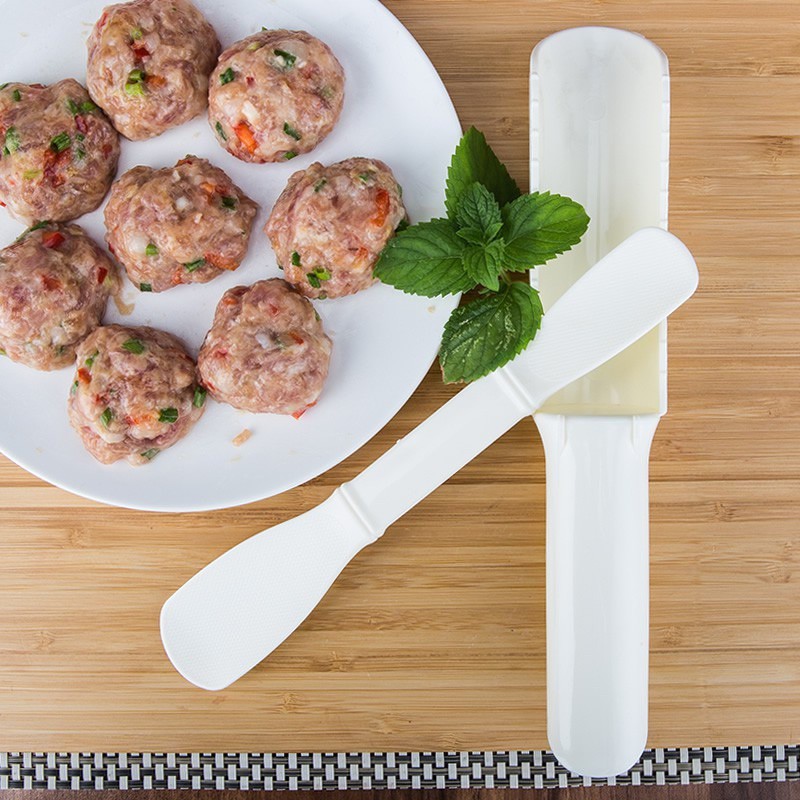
[(238, 609)]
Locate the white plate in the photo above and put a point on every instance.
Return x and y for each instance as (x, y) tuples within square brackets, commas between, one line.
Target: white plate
[(396, 109)]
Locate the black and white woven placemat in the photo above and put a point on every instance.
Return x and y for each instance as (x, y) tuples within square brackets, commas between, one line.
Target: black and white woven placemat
[(511, 769)]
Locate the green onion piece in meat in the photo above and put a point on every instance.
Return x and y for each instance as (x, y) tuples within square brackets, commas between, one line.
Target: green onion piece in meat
[(16, 95), (136, 34), (365, 176), (145, 287), (227, 76), (169, 415), (319, 184), (295, 259), (318, 275), (38, 226), (134, 89), (31, 174), (73, 107), (151, 250), (135, 83), (290, 131), (199, 397), (90, 361), (285, 59), (106, 417), (11, 141), (135, 346), (5, 84), (87, 106), (193, 266), (74, 388), (151, 453), (221, 132), (229, 202), (289, 155), (58, 144)]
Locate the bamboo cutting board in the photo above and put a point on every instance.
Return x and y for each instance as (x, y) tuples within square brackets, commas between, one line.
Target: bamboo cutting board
[(434, 637)]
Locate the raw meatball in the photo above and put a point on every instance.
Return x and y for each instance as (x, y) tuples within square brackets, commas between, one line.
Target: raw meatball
[(182, 224), (54, 285), (134, 395), (59, 151), (149, 63), (266, 351), (331, 223), (274, 95)]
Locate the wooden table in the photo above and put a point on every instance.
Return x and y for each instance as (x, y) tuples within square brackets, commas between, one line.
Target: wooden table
[(434, 637)]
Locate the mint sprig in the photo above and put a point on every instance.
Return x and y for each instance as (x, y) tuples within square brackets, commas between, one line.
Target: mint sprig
[(492, 230)]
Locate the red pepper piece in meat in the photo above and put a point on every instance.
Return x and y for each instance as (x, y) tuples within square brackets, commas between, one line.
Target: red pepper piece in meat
[(53, 239), (54, 164), (381, 208), (246, 136), (219, 262)]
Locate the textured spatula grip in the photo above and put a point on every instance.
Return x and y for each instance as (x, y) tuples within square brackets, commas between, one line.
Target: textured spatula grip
[(438, 448)]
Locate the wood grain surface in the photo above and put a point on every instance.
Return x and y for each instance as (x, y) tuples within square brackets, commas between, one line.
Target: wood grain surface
[(434, 637)]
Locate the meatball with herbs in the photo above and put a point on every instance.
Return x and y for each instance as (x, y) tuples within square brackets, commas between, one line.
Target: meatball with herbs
[(275, 95), (58, 151), (54, 287), (183, 224), (266, 350), (330, 224), (135, 393), (149, 62)]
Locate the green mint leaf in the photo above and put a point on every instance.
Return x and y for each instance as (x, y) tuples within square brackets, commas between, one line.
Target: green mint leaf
[(484, 263), (471, 235), (539, 226), (488, 332), (477, 208), (493, 230), (475, 162), (425, 259)]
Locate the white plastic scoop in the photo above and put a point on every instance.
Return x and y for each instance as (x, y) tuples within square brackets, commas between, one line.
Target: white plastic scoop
[(239, 608), (600, 134)]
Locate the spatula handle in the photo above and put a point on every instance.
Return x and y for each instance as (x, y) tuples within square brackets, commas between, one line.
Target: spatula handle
[(438, 448), (597, 589)]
